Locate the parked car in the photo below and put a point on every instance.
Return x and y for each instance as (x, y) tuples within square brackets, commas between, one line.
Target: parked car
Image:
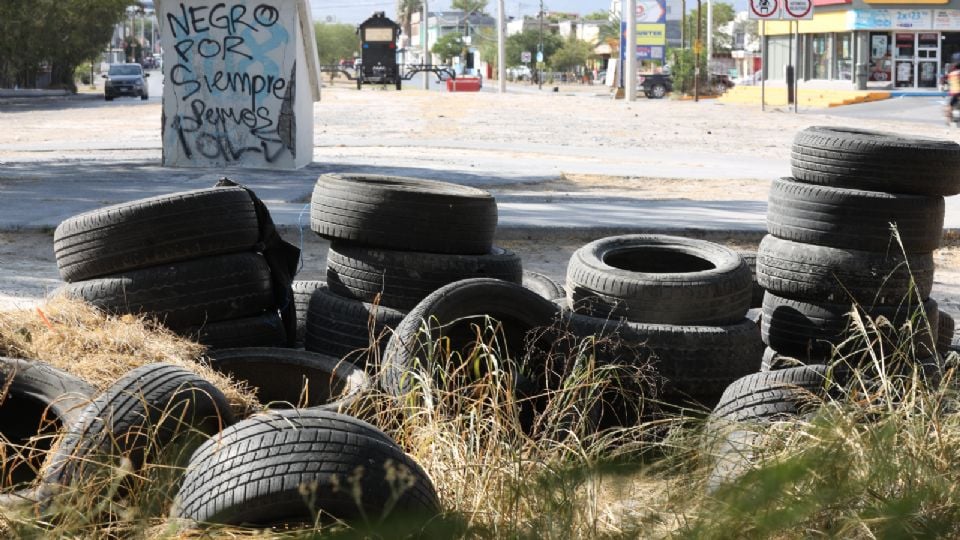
[(720, 83), (656, 85), (125, 80)]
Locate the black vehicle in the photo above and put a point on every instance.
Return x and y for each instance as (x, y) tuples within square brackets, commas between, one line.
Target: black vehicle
[(656, 85), (125, 80), (378, 51)]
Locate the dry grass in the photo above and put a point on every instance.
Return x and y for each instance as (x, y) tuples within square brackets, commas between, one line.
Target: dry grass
[(100, 349)]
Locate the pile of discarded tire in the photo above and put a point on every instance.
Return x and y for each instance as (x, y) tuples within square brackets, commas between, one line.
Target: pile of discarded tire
[(675, 302), (207, 264), (831, 251), (831, 246), (394, 241), (249, 472)]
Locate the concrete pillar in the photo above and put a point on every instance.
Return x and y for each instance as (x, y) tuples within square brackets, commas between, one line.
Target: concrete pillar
[(240, 80), (630, 55)]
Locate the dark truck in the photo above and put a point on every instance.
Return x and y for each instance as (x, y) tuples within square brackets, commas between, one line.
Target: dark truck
[(378, 52), (655, 85)]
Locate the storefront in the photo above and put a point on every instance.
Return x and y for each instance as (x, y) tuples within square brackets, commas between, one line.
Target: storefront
[(907, 46)]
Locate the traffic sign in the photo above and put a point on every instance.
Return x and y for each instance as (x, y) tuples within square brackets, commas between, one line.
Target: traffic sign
[(525, 57), (797, 10), (539, 56), (764, 9)]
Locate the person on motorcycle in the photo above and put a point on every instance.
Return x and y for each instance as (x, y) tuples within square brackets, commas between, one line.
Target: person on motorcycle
[(953, 89)]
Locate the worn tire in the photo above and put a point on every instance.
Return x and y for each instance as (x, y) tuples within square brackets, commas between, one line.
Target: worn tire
[(544, 285), (256, 473), (403, 214), (291, 378), (449, 313), (263, 330), (945, 332), (659, 279), (821, 273), (155, 231), (146, 410), (808, 330), (853, 219), (302, 291), (185, 294), (341, 327), (36, 400), (696, 362), (401, 279), (876, 161), (756, 291), (759, 398)]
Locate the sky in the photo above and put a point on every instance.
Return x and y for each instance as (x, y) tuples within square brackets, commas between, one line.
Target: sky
[(356, 11)]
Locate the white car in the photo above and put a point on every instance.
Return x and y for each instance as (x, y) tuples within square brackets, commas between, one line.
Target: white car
[(519, 72)]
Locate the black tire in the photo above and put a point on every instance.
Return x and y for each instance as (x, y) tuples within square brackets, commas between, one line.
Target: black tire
[(451, 312), (765, 397), (341, 327), (401, 279), (155, 231), (659, 279), (876, 161), (404, 213), (945, 332), (152, 409), (285, 378), (772, 361), (847, 218), (263, 330), (806, 271), (399, 84), (36, 401), (302, 291), (756, 291), (359, 83), (808, 331), (658, 91), (696, 362), (185, 294), (286, 467), (773, 395), (544, 285)]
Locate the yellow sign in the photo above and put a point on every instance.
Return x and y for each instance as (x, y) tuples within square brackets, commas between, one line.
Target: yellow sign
[(651, 34), (697, 46)]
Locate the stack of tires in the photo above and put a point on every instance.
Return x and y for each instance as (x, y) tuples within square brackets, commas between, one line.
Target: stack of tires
[(831, 245), (677, 302), (204, 263), (393, 242)]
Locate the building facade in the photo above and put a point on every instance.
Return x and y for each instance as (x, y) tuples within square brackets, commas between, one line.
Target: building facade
[(868, 43)]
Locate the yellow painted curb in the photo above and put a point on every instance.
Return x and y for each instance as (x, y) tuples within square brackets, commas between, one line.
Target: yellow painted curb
[(806, 97)]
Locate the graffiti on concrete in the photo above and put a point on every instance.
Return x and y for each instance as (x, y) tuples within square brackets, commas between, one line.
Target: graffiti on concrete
[(230, 83)]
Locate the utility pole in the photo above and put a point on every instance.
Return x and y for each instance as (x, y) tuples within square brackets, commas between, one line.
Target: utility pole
[(501, 48), (697, 50), (630, 54), (424, 40), (683, 24), (709, 36), (540, 52)]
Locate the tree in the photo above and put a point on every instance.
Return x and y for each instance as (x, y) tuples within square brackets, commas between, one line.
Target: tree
[(60, 34), (470, 6), (601, 15), (336, 41), (722, 15), (528, 40), (405, 13), (448, 46), (572, 55)]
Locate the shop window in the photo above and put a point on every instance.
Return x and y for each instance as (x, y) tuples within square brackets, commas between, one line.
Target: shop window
[(881, 63), (820, 56), (843, 69)]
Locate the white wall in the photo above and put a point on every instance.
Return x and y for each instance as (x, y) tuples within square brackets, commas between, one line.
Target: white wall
[(237, 88)]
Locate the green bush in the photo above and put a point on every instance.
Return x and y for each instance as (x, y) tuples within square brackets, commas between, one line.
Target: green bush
[(683, 72)]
